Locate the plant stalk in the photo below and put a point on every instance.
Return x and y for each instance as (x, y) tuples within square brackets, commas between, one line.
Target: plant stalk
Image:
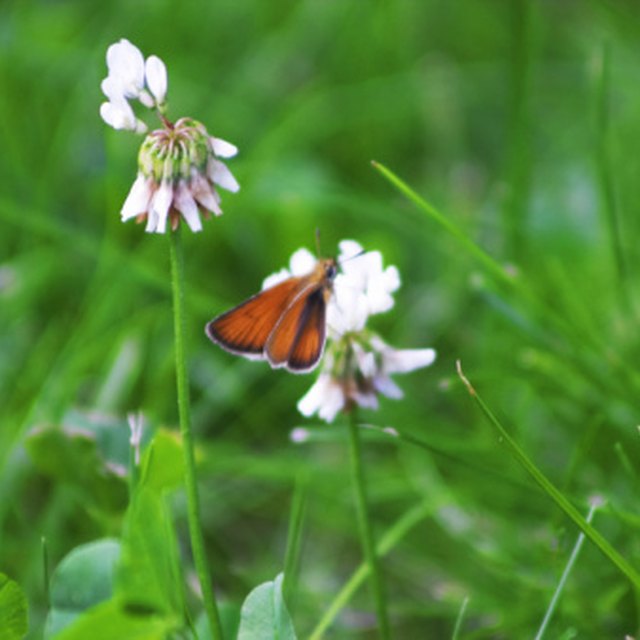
[(364, 524), (184, 412)]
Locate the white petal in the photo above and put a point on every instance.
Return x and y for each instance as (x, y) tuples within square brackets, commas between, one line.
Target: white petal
[(405, 360), (152, 221), (138, 199), (348, 250), (378, 300), (222, 148), (205, 194), (119, 115), (347, 309), (363, 268), (145, 98), (160, 204), (156, 77), (275, 278), (312, 400), (302, 262), (386, 386), (220, 175), (391, 279), (366, 360), (112, 88), (187, 206), (334, 402), (367, 400), (325, 397), (126, 63)]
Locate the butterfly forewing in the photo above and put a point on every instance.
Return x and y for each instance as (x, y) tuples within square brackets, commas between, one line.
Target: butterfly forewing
[(284, 324), (298, 339), (245, 329)]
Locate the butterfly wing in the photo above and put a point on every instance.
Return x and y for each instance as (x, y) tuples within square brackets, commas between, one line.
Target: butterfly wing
[(245, 329), (297, 341)]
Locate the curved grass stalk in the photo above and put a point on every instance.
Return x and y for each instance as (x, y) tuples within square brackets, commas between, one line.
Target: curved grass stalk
[(387, 542), (550, 489)]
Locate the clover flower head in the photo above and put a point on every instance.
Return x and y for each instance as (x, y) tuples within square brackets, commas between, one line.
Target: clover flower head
[(357, 369), (357, 364), (179, 166), (178, 172), (362, 288)]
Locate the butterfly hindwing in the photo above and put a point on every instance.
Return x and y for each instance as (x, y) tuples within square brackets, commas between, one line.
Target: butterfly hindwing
[(297, 340)]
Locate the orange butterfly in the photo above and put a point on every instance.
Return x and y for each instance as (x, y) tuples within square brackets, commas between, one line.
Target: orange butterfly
[(285, 324)]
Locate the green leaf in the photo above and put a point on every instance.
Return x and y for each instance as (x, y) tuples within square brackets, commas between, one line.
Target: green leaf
[(13, 610), (162, 465), (264, 615), (148, 576), (110, 621), (83, 579), (73, 454)]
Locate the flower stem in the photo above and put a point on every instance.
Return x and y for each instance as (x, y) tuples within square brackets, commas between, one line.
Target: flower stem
[(184, 411), (364, 523)]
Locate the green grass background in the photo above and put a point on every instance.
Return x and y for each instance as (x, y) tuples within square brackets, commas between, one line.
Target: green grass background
[(519, 120)]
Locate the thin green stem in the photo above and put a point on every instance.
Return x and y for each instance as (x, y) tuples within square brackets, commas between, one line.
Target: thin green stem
[(184, 411), (609, 203), (387, 542), (551, 490), (294, 536), (459, 619), (364, 524), (45, 572), (565, 575)]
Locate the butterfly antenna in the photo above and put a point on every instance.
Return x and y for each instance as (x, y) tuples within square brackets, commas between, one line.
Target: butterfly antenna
[(355, 255), (318, 242)]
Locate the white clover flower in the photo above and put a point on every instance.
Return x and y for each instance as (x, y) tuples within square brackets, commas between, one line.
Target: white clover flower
[(362, 288), (179, 166), (355, 371), (131, 78), (357, 364), (175, 179)]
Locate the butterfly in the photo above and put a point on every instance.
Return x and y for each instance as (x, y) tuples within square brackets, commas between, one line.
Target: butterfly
[(284, 324)]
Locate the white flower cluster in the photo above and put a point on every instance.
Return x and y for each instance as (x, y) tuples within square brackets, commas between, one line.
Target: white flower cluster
[(178, 165), (131, 78), (357, 364)]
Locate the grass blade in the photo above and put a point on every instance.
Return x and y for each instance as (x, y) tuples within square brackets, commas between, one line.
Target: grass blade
[(565, 575), (550, 489)]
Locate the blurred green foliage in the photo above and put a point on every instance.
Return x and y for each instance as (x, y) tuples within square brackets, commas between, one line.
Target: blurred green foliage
[(519, 120)]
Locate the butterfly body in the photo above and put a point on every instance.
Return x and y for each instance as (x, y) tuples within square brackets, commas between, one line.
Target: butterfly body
[(284, 324)]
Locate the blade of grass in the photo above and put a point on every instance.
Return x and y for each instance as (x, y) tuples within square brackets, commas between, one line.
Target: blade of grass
[(565, 575), (545, 484), (492, 265), (547, 314), (609, 205), (459, 619), (518, 152), (387, 542), (294, 537)]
